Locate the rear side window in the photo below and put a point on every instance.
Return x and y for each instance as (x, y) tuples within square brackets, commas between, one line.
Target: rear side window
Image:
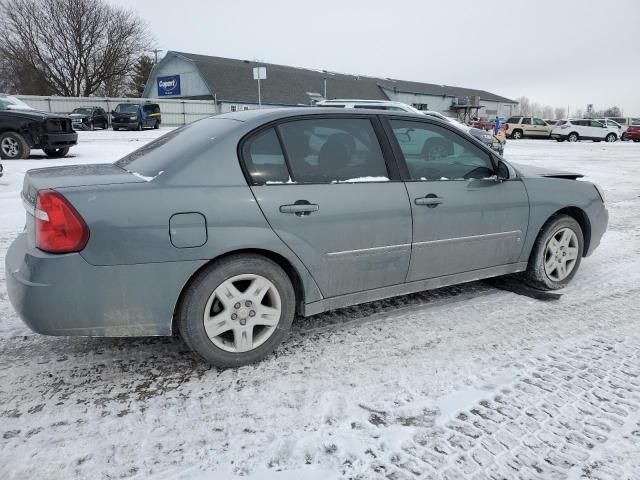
[(513, 120), (264, 159), (537, 121), (333, 150), (635, 121), (526, 121)]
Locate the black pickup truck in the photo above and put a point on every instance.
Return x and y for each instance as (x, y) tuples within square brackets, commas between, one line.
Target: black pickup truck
[(23, 128)]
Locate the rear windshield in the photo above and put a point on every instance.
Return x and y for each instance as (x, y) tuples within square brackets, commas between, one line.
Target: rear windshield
[(127, 108), (185, 143)]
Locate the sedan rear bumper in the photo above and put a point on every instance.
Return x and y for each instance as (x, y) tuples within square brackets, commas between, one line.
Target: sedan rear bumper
[(65, 295)]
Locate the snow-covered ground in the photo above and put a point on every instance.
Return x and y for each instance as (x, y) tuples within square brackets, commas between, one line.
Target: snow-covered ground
[(462, 382)]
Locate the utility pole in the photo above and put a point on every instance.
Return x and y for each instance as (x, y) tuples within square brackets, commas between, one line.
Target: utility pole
[(155, 52)]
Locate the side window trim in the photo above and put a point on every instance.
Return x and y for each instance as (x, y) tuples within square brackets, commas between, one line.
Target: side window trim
[(386, 147), (399, 156)]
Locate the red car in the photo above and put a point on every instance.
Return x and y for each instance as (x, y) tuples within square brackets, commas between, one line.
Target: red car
[(632, 133)]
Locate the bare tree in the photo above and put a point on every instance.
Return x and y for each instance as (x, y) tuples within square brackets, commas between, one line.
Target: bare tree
[(524, 106), (547, 111), (559, 113), (75, 47)]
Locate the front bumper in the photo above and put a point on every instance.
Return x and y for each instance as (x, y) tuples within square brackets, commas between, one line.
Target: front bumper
[(65, 295), (58, 140), (599, 220), (131, 124)]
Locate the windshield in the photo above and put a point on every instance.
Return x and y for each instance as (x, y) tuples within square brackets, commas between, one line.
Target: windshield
[(12, 103), (127, 108), (83, 111)]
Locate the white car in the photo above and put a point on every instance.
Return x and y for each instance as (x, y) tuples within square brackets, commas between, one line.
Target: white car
[(389, 105), (584, 129)]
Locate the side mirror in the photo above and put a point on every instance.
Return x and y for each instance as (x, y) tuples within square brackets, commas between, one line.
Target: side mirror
[(503, 171)]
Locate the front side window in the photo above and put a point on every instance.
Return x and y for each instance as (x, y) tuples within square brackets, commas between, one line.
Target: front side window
[(595, 123), (264, 160), (526, 121), (334, 150), (433, 153)]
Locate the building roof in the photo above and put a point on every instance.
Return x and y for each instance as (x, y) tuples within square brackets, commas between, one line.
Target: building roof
[(232, 80)]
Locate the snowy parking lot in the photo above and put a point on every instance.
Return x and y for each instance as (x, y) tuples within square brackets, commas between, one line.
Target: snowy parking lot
[(463, 382)]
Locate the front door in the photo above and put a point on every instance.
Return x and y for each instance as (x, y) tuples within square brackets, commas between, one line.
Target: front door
[(324, 187), (464, 219)]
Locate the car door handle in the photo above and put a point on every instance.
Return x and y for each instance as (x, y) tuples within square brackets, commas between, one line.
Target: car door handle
[(430, 201), (300, 208)]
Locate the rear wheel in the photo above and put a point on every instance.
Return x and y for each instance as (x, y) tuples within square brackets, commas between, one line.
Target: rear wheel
[(517, 134), (13, 146), (611, 138), (556, 254), (237, 310), (573, 137), (56, 152)]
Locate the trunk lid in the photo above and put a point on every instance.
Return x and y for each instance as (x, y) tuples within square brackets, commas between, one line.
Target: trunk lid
[(74, 176)]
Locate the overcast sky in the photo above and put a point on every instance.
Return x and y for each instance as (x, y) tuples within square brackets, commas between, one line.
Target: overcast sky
[(555, 52)]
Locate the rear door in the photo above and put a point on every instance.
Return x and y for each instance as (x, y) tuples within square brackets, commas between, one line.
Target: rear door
[(463, 218), (541, 128), (334, 197), (527, 127)]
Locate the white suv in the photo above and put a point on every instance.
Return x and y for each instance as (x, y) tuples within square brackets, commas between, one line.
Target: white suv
[(583, 129)]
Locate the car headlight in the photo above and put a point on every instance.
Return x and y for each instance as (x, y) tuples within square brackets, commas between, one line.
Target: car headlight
[(132, 118), (600, 191)]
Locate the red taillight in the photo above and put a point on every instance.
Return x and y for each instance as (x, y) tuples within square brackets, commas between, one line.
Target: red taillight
[(59, 227)]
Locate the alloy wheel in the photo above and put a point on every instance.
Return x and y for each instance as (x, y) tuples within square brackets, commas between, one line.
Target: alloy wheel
[(242, 313), (561, 254), (10, 147)]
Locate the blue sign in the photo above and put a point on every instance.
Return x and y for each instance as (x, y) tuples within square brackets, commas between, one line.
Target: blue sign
[(169, 85)]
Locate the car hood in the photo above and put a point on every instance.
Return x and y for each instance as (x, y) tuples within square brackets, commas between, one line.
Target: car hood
[(31, 114), (529, 171)]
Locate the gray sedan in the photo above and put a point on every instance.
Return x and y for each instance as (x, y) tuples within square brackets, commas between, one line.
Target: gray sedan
[(225, 229)]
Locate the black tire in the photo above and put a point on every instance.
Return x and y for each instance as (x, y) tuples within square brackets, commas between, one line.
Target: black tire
[(535, 274), (191, 309), (115, 129), (92, 126), (517, 134), (611, 137), (560, 139), (636, 141), (139, 127), (573, 137), (13, 146), (56, 152), (156, 125)]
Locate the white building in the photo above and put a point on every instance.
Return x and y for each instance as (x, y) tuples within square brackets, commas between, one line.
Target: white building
[(230, 83)]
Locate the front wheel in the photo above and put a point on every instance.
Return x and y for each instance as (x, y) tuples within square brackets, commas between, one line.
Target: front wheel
[(516, 135), (611, 138), (573, 137), (237, 310), (156, 125), (556, 254), (13, 146), (139, 127), (56, 152)]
